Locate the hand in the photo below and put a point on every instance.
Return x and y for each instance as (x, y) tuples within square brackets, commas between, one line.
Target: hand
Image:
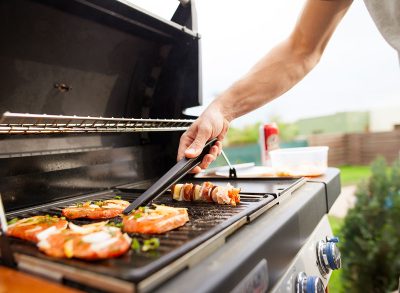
[(210, 124)]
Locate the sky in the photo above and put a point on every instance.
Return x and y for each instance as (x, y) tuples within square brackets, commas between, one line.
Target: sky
[(358, 71)]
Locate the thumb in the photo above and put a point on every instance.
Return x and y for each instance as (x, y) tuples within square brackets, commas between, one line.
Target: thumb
[(198, 143)]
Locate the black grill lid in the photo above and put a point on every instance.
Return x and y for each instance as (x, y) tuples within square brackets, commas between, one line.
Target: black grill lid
[(91, 58), (96, 58)]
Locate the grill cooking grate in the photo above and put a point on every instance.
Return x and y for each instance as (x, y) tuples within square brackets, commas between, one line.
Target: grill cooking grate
[(206, 220), (209, 226)]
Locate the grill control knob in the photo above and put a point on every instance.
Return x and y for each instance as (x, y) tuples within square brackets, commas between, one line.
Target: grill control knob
[(332, 239), (311, 284), (328, 255)]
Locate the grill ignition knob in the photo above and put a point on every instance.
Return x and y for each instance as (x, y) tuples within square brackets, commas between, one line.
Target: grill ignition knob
[(310, 284), (328, 255)]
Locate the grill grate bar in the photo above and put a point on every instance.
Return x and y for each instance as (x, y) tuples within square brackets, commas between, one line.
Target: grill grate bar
[(19, 123)]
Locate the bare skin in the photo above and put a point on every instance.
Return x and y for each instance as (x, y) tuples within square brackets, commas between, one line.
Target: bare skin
[(276, 73)]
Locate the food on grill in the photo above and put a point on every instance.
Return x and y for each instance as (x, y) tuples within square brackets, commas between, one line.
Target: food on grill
[(206, 192), (37, 227), (89, 242), (148, 244), (105, 209), (155, 221)]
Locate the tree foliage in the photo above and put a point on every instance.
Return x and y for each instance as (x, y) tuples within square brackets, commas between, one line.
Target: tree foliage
[(245, 135), (371, 250), (249, 134)]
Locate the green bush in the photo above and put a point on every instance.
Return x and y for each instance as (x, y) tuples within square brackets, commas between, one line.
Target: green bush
[(371, 250)]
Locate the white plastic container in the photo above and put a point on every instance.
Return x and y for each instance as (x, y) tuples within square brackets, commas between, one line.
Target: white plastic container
[(305, 161)]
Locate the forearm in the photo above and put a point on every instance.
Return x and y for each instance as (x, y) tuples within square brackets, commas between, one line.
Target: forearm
[(276, 73)]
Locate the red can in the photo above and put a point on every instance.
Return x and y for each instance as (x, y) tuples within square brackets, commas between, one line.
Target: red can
[(269, 140)]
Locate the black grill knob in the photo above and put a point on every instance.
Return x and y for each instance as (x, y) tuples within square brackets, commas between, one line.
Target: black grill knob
[(328, 255), (308, 284)]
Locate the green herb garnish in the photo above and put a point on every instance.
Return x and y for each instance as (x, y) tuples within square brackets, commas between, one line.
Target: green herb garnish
[(63, 218), (79, 204), (135, 245), (99, 203), (47, 219), (113, 224), (13, 221), (137, 215), (117, 197), (143, 209), (150, 244)]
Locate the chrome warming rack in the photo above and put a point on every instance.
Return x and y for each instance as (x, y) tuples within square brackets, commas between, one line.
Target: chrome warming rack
[(17, 123)]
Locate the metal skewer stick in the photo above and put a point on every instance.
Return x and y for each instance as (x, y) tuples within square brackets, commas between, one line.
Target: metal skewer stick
[(232, 170), (7, 256)]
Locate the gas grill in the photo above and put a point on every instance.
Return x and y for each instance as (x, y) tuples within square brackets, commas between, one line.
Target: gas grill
[(89, 64)]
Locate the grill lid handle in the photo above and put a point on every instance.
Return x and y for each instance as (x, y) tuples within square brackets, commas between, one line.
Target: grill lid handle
[(171, 177)]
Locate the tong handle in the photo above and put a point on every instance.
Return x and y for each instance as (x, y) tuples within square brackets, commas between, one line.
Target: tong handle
[(172, 176)]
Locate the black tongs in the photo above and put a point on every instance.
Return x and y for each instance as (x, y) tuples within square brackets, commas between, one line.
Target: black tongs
[(171, 177)]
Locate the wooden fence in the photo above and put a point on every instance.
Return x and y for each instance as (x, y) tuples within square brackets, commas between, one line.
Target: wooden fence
[(359, 148)]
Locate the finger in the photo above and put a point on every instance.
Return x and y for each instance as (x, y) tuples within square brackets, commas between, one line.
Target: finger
[(218, 144), (184, 142), (214, 151), (196, 169), (203, 134), (207, 160)]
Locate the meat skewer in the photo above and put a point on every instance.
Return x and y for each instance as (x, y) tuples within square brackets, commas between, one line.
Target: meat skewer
[(207, 192)]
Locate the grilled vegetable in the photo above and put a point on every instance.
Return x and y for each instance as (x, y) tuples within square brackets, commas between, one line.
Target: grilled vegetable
[(135, 245), (150, 244)]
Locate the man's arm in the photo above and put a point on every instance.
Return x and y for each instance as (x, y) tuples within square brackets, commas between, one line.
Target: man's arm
[(283, 67)]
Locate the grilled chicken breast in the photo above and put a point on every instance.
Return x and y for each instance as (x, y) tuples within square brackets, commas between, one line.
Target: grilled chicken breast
[(89, 242), (106, 209), (155, 221), (34, 228), (206, 192)]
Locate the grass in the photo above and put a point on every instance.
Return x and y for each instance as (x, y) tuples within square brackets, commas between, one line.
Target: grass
[(335, 282), (352, 175)]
